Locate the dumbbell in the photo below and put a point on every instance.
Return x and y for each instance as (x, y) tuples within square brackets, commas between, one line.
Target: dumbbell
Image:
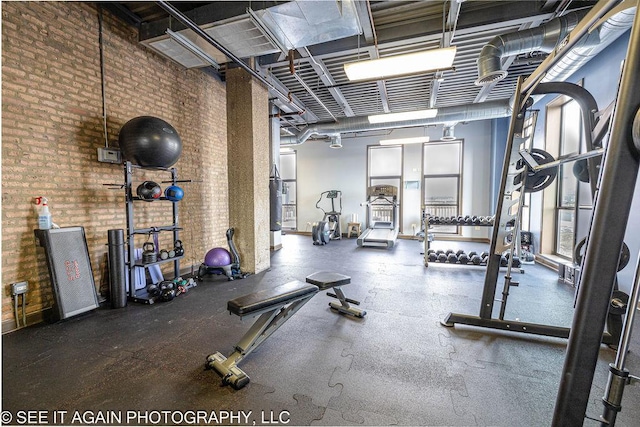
[(433, 257), (485, 260), (460, 219), (153, 290), (504, 261), (476, 260), (463, 258), (472, 253), (431, 251), (448, 251), (484, 220), (452, 258), (459, 252), (442, 258), (439, 251), (484, 255), (516, 263)]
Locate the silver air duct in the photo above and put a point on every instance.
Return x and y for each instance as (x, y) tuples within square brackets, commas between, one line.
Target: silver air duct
[(454, 114), (448, 132), (543, 38), (609, 31), (336, 141)]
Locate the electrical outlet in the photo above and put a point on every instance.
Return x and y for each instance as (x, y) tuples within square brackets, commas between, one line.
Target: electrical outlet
[(109, 155), (19, 288)]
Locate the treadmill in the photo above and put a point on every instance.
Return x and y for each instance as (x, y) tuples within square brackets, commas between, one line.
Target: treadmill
[(382, 217)]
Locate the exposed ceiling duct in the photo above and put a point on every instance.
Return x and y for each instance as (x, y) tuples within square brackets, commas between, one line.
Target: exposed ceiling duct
[(609, 31), (543, 38), (447, 115), (448, 132)]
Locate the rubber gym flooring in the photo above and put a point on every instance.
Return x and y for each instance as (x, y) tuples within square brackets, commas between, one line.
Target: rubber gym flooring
[(397, 366)]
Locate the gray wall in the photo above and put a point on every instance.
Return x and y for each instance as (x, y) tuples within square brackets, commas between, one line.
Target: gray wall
[(321, 168)]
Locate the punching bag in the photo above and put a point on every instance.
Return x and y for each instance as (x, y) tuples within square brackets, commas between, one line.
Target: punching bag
[(275, 200)]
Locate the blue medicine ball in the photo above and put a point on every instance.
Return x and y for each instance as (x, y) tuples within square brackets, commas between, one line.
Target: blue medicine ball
[(174, 193)]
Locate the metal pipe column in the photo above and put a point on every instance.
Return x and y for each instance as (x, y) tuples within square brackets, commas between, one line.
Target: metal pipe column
[(599, 267)]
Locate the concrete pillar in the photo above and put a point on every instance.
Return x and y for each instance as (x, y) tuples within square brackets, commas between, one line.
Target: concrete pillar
[(248, 160)]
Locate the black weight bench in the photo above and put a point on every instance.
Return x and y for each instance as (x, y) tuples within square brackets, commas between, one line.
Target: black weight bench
[(275, 306), (328, 279)]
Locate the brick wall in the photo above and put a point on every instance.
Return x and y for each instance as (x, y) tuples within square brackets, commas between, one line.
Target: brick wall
[(52, 127)]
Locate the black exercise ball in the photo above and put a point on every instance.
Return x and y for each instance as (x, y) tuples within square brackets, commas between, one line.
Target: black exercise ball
[(149, 142)]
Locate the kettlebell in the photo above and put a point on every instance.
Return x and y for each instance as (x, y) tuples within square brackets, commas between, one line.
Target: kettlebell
[(179, 250), (149, 253)]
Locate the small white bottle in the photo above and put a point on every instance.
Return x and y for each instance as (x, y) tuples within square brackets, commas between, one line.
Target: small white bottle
[(44, 217)]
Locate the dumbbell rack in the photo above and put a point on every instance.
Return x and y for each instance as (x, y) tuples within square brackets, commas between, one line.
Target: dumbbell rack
[(141, 296), (459, 223)]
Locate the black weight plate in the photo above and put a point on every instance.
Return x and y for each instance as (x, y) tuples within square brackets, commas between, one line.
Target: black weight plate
[(539, 180), (625, 254)]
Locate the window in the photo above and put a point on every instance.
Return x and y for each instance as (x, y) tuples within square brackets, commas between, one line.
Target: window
[(288, 175), (384, 167), (567, 185), (442, 166)]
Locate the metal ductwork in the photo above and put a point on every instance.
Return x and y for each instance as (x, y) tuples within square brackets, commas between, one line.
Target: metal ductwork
[(448, 132), (543, 38), (454, 114), (609, 31)]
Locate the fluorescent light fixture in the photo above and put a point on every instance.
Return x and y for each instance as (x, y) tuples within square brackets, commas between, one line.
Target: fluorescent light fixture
[(399, 117), (415, 140), (193, 48), (398, 65)]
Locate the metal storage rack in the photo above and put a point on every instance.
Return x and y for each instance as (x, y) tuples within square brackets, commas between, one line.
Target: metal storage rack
[(141, 295)]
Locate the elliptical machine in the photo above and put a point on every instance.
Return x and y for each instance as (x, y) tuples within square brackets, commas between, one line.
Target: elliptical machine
[(219, 261), (329, 228)]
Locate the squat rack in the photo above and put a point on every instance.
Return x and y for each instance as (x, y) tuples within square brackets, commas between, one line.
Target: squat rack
[(613, 195)]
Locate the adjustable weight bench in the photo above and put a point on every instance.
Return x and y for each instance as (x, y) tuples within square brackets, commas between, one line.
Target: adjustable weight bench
[(275, 306), (328, 279)]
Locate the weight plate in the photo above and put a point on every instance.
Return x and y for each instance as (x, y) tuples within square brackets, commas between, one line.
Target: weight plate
[(625, 254), (539, 180)]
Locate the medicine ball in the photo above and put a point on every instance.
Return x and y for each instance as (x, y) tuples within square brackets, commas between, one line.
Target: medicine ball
[(173, 193), (149, 191), (149, 142), (217, 257)]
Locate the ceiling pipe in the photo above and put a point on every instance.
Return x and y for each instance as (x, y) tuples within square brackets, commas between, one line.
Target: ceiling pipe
[(609, 31), (543, 38), (461, 113)]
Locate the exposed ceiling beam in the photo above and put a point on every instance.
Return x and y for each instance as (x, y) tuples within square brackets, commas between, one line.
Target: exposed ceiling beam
[(326, 78), (447, 37), (365, 19)]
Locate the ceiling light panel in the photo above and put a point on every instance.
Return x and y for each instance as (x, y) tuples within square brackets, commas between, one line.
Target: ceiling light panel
[(412, 63)]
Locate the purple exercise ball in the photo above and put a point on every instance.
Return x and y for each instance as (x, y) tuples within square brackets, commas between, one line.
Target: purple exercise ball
[(217, 257)]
